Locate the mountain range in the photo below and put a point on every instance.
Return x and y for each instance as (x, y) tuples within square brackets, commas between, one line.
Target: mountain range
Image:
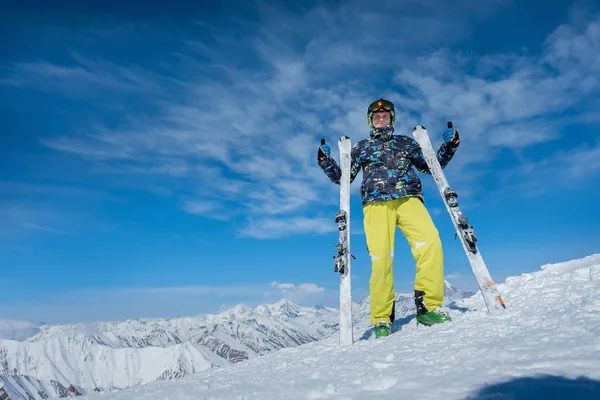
[(49, 361)]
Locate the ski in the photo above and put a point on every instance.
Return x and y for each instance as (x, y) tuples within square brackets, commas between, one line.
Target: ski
[(342, 259), (464, 231)]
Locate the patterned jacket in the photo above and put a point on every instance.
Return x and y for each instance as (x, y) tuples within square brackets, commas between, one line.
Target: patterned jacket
[(387, 162)]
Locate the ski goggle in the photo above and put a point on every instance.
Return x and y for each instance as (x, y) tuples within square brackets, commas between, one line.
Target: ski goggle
[(381, 104)]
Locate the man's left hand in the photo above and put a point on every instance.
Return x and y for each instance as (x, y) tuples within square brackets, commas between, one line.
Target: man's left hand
[(450, 135)]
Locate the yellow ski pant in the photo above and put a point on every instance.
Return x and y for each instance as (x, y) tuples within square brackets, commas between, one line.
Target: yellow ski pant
[(413, 219)]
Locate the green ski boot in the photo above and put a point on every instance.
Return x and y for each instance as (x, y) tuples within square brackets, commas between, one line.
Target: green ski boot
[(382, 329), (436, 316)]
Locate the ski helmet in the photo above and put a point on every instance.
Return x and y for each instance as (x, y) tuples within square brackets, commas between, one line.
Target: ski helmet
[(381, 104)]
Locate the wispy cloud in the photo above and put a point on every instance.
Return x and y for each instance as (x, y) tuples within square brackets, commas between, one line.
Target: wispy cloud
[(42, 228), (16, 219), (564, 169), (32, 208), (581, 163), (34, 227), (246, 133), (208, 208), (83, 76), (269, 228), (37, 190), (513, 107), (200, 207)]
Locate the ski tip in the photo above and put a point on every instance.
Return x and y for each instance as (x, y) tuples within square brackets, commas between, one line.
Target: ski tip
[(418, 127), (344, 138)]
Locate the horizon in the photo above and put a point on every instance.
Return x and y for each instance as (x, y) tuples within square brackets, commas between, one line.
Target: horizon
[(160, 160), (5, 323), (24, 324)]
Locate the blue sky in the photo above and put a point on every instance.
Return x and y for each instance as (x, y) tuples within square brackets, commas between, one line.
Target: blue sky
[(161, 161)]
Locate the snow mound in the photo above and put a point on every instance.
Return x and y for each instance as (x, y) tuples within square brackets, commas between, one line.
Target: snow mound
[(546, 344)]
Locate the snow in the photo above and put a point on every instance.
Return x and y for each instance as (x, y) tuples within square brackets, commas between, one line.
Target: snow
[(545, 344), (93, 365), (22, 386)]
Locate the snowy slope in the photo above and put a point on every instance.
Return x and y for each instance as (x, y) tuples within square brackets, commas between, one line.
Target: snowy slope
[(96, 366), (23, 386), (546, 345)]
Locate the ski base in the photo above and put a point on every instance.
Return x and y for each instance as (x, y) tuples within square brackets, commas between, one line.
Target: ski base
[(464, 230), (342, 259)]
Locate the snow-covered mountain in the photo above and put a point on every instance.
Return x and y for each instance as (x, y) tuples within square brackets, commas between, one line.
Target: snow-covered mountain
[(111, 355), (77, 359), (25, 387), (107, 356), (546, 344)]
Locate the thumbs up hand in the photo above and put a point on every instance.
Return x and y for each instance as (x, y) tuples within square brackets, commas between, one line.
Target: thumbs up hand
[(324, 150)]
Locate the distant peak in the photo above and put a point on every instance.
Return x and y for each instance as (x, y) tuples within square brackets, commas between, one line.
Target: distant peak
[(240, 308), (285, 308), (284, 302)]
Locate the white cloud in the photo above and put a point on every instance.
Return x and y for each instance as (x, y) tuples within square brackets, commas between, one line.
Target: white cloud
[(581, 162), (204, 207), (507, 100), (310, 288), (283, 286), (13, 325), (304, 293), (286, 288), (268, 228)]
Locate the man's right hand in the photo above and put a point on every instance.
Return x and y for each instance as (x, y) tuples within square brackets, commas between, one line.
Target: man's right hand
[(324, 150)]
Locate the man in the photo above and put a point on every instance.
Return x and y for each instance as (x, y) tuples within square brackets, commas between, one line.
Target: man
[(392, 196)]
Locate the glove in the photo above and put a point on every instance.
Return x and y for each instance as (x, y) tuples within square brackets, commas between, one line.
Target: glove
[(324, 150), (450, 135)]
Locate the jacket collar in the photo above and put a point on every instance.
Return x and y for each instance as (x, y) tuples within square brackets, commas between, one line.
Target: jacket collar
[(384, 133)]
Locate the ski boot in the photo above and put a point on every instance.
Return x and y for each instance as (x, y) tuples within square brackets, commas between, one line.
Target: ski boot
[(426, 317), (437, 316), (382, 329)]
